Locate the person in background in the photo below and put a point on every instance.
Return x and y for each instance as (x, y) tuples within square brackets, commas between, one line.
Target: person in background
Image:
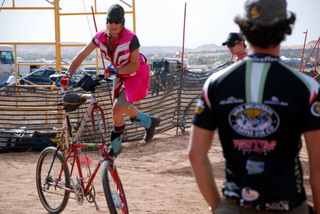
[(163, 78), (155, 85), (11, 80), (120, 46), (10, 84), (236, 45), (261, 108)]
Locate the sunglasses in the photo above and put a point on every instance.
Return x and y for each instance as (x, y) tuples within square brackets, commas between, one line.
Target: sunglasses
[(231, 45), (113, 22)]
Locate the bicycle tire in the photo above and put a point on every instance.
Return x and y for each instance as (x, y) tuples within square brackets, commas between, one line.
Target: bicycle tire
[(53, 199), (113, 188)]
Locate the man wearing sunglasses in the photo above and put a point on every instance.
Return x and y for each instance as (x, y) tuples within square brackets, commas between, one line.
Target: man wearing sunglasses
[(236, 45)]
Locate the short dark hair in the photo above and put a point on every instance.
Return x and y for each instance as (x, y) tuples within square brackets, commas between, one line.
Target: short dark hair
[(266, 36)]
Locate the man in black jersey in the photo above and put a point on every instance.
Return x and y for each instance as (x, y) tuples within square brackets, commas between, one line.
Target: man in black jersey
[(261, 108)]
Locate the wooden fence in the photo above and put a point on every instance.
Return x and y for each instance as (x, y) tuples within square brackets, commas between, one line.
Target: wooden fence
[(28, 115)]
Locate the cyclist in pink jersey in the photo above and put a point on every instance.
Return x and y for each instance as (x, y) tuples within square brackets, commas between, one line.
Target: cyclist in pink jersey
[(120, 46)]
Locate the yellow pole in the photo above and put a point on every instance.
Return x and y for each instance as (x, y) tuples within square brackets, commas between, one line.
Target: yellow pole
[(57, 42), (57, 35), (95, 6), (15, 72), (16, 69), (134, 15)]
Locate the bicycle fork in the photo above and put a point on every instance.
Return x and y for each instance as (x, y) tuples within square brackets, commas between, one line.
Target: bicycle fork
[(47, 180), (55, 183)]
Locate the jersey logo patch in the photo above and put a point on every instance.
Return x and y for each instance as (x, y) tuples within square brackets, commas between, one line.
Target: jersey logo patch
[(249, 194), (315, 109), (254, 120), (200, 107)]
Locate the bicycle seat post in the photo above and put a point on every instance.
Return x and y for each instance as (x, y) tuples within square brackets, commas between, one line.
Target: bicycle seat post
[(62, 90), (94, 98)]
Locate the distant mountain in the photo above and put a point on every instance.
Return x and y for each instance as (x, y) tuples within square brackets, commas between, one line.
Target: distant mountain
[(32, 52), (48, 51), (152, 50), (309, 45), (208, 48)]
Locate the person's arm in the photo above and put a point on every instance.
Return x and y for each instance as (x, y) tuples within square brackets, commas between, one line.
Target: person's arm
[(78, 59), (199, 145), (313, 146), (133, 65)]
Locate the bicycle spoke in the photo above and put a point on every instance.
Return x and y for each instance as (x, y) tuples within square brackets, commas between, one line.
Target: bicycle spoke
[(113, 190), (51, 193)]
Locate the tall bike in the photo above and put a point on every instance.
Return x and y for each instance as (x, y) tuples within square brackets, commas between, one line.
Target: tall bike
[(56, 175)]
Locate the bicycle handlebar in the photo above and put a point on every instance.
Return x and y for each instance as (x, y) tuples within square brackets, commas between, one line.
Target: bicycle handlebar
[(87, 83)]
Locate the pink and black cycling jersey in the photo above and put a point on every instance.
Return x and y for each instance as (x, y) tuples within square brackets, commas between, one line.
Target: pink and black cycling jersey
[(120, 54), (136, 84), (260, 107)]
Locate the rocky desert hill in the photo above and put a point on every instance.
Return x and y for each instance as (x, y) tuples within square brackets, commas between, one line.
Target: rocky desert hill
[(205, 54)]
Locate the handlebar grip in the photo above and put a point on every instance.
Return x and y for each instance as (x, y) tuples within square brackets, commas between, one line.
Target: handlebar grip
[(65, 82)]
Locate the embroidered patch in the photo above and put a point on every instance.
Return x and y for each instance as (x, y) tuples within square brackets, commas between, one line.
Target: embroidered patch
[(315, 109), (249, 194), (200, 107), (254, 120)]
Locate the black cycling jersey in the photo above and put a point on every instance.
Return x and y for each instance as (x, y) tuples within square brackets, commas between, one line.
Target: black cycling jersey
[(260, 107)]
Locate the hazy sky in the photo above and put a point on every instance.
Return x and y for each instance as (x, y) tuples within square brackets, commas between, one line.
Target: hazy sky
[(158, 22)]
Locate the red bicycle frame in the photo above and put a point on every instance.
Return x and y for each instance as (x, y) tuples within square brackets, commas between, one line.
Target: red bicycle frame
[(76, 161)]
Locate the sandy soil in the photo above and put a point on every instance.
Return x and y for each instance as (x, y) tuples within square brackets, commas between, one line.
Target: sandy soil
[(157, 178)]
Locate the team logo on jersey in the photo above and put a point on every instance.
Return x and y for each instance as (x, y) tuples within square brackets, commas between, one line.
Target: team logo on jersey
[(200, 107), (254, 120), (315, 109), (231, 100), (249, 194), (275, 101)]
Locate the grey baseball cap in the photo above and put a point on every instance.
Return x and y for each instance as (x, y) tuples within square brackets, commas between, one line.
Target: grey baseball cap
[(265, 12)]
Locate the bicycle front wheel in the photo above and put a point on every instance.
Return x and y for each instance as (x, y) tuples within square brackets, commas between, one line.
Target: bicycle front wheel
[(50, 188), (113, 189)]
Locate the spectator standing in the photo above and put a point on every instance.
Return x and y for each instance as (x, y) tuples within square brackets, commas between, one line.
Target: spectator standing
[(10, 84), (261, 108), (236, 45), (11, 80), (163, 78), (155, 85)]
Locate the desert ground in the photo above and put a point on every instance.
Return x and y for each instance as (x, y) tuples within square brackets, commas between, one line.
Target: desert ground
[(157, 178)]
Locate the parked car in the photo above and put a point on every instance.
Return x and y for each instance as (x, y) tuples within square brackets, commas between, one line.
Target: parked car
[(40, 77)]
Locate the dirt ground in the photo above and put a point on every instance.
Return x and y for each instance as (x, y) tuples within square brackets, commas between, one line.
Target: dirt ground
[(157, 178)]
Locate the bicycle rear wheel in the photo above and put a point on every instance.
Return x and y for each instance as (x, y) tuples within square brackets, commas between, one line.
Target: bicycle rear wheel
[(113, 189), (53, 197)]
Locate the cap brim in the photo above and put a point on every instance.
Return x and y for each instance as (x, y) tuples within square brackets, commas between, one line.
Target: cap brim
[(226, 42)]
